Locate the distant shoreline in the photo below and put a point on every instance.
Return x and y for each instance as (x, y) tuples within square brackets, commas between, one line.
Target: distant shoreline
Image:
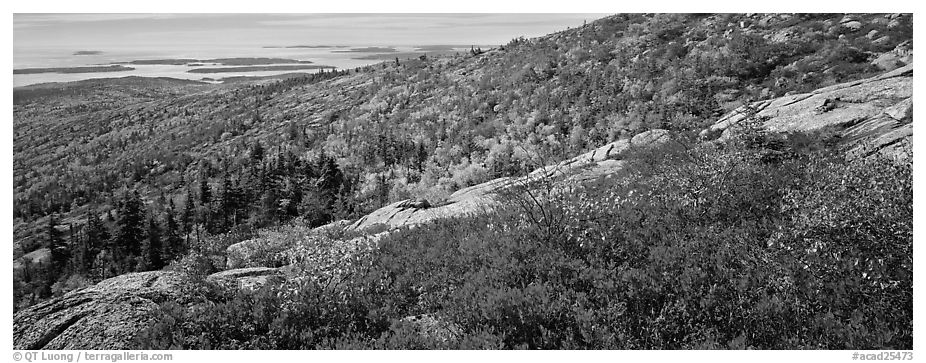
[(90, 69), (259, 68), (88, 52), (222, 61), (303, 46), (368, 50)]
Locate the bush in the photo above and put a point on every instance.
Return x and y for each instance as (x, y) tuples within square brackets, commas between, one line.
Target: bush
[(713, 246)]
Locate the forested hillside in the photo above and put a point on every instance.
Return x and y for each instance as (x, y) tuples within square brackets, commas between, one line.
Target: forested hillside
[(115, 176)]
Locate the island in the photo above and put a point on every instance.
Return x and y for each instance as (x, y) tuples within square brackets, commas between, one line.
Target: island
[(438, 48), (368, 50), (303, 46), (88, 52), (91, 69), (221, 61), (258, 68)]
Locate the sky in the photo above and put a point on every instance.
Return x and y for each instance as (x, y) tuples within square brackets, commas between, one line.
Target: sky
[(90, 31)]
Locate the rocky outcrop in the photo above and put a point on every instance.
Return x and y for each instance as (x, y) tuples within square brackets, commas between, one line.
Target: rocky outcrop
[(900, 56), (107, 315), (111, 314), (250, 278), (601, 162), (873, 116), (41, 255)]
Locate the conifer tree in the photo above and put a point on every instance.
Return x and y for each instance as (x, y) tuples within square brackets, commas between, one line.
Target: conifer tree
[(173, 243), (89, 245), (151, 258), (56, 244), (130, 233), (188, 217)]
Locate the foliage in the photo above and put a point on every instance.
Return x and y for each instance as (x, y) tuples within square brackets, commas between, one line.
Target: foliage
[(709, 246)]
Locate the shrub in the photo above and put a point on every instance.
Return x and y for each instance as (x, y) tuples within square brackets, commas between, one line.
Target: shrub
[(711, 246)]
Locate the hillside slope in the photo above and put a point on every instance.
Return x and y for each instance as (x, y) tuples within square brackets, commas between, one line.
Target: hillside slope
[(879, 106), (215, 165)]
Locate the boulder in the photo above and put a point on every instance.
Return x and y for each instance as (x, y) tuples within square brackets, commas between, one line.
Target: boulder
[(250, 278), (111, 314), (108, 315), (881, 40), (900, 56), (852, 25), (415, 204), (870, 114), (332, 227), (484, 197)]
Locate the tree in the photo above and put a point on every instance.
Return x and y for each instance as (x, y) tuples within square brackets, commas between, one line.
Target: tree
[(56, 244), (126, 243), (151, 258), (329, 181), (257, 152), (188, 217), (87, 247), (205, 192), (173, 243)]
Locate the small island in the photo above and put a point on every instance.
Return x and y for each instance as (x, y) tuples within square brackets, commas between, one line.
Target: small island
[(88, 52), (438, 48), (368, 50), (221, 61), (91, 69), (258, 68), (304, 46)]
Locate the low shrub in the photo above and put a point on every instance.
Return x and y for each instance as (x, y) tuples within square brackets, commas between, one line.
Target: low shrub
[(714, 246)]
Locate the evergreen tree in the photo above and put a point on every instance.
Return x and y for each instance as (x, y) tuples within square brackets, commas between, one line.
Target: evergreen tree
[(329, 181), (151, 257), (97, 233), (205, 192), (228, 201), (269, 206), (130, 233), (188, 217), (87, 247), (257, 152), (56, 244), (173, 243)]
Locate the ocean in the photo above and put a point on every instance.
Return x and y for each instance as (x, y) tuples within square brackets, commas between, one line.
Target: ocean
[(34, 57)]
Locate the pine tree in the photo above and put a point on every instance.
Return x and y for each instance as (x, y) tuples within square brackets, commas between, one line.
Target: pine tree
[(56, 244), (205, 192), (151, 257), (173, 243), (97, 233), (257, 152), (329, 181), (89, 245), (130, 234), (188, 217), (227, 203)]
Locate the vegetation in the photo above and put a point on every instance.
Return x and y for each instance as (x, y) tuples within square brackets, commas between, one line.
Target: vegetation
[(699, 247), (768, 241)]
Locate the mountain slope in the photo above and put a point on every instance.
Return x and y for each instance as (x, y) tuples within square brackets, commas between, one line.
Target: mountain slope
[(880, 109), (417, 129)]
